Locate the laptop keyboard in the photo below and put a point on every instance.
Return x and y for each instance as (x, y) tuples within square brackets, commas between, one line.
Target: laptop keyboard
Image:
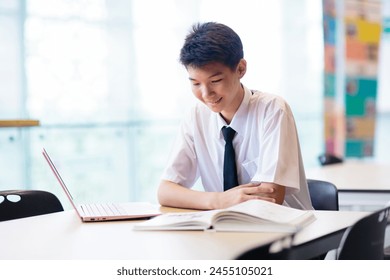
[(103, 209)]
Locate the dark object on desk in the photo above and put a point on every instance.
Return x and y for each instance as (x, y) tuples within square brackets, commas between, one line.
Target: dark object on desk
[(15, 204), (326, 159), (277, 250), (365, 239), (323, 194)]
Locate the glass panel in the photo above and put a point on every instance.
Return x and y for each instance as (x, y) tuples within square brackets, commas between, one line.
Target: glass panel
[(79, 63), (383, 102), (12, 161), (302, 62), (121, 163), (10, 68), (85, 9), (104, 79), (9, 6), (382, 139), (93, 162), (154, 144)]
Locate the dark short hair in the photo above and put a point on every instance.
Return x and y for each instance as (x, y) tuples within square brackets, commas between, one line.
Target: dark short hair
[(211, 42)]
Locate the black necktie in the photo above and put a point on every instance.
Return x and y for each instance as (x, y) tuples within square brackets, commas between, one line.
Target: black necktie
[(229, 163)]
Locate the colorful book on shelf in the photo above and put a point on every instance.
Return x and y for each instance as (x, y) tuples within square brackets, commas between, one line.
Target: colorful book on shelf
[(251, 216)]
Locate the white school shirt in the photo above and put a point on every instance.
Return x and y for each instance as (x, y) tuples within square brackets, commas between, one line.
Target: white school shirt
[(266, 147)]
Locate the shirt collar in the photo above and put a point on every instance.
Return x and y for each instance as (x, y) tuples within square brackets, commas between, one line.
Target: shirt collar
[(238, 121)]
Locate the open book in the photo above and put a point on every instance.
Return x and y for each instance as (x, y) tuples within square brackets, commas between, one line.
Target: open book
[(251, 216)]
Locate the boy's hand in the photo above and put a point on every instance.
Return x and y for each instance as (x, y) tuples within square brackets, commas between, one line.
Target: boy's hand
[(265, 191)]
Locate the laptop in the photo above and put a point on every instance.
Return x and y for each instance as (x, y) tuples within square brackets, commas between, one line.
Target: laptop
[(95, 212)]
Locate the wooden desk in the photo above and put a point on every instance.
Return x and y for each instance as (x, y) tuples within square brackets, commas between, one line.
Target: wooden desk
[(362, 185), (18, 123), (62, 236)]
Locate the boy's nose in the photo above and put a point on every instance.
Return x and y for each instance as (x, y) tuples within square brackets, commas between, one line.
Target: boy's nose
[(205, 91)]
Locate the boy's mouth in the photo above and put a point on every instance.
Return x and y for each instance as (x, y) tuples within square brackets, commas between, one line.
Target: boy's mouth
[(215, 102)]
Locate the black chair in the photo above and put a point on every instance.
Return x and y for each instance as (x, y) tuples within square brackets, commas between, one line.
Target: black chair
[(387, 249), (277, 250), (365, 239), (323, 194), (387, 253), (15, 204)]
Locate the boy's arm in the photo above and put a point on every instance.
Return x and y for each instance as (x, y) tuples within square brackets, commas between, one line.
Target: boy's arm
[(174, 195)]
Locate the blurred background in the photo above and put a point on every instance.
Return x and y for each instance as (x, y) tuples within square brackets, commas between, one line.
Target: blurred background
[(103, 79)]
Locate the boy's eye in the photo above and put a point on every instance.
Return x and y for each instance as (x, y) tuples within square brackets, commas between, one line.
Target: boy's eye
[(195, 84), (216, 81)]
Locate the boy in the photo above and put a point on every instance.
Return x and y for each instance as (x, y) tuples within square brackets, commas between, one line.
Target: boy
[(267, 152)]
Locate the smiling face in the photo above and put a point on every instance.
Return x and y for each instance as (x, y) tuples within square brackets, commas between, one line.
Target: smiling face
[(219, 87)]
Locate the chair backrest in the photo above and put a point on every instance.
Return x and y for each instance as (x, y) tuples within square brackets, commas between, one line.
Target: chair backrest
[(324, 195), (277, 250), (15, 204), (365, 239)]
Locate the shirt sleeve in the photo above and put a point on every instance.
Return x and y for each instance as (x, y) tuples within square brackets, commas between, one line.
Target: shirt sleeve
[(182, 167), (280, 157)]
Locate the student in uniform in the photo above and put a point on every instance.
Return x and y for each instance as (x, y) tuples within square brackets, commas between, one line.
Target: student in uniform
[(266, 146)]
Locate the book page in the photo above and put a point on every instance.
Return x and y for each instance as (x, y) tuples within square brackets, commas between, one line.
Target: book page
[(269, 211), (252, 215), (252, 226), (179, 221)]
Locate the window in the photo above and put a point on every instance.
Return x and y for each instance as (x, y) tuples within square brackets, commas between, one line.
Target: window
[(104, 80)]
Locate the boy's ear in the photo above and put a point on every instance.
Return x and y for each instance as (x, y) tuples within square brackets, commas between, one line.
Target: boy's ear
[(241, 68)]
